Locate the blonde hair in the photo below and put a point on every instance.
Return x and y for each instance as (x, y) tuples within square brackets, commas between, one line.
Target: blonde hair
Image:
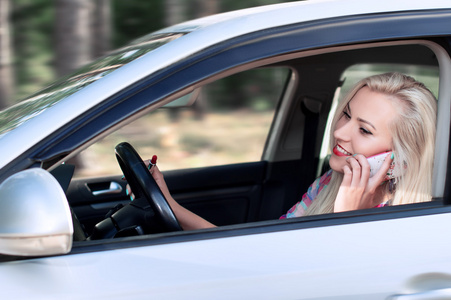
[(413, 139)]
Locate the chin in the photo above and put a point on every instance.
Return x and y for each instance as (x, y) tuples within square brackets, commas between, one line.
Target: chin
[(337, 164)]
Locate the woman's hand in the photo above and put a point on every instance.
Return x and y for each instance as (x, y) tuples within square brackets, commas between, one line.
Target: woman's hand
[(157, 176), (358, 190), (159, 179), (187, 219)]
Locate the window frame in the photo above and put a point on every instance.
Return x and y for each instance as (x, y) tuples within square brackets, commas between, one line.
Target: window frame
[(278, 93)]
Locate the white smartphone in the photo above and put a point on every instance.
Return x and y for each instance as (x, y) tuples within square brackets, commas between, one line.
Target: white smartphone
[(376, 162)]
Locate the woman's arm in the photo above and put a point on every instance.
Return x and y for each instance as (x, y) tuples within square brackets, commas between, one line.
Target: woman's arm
[(187, 219)]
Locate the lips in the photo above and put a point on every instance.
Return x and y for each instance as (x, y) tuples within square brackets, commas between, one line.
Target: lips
[(340, 151)]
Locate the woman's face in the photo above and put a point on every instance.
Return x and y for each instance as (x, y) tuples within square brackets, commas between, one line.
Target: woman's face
[(363, 127)]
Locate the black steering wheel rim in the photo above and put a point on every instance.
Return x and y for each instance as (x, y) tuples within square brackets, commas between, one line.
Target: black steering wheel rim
[(143, 184)]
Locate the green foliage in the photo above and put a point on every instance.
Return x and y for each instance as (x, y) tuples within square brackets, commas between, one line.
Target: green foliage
[(33, 24), (135, 18), (228, 5), (258, 89)]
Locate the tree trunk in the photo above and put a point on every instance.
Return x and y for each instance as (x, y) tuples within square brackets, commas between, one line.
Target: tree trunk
[(101, 31), (206, 8), (73, 38), (175, 12), (6, 68)]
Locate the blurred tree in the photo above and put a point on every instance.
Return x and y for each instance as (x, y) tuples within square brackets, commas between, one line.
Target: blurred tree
[(73, 39), (229, 5), (206, 8), (84, 29), (101, 27), (6, 70), (174, 12), (135, 18), (32, 22)]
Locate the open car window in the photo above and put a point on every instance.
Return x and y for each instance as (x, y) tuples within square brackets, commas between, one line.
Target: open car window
[(228, 123), (264, 131)]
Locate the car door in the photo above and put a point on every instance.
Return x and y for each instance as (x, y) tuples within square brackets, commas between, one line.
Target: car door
[(346, 257), (370, 254)]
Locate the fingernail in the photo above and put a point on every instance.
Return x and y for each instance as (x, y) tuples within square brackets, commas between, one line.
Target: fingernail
[(392, 155), (354, 155), (126, 192)]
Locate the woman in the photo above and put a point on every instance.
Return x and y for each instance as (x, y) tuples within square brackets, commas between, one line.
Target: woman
[(383, 113)]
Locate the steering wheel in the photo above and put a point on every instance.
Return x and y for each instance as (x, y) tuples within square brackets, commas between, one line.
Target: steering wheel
[(143, 184)]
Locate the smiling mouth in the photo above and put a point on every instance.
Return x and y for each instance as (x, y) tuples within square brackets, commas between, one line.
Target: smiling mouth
[(339, 151)]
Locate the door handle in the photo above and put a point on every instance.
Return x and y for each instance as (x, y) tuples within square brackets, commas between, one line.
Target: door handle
[(438, 294), (114, 188)]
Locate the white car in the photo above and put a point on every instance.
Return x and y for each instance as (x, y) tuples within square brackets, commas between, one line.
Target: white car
[(65, 236)]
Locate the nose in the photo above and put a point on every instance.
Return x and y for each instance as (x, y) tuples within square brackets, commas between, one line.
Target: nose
[(342, 131)]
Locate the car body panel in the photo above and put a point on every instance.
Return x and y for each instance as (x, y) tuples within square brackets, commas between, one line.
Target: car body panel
[(222, 28), (249, 267)]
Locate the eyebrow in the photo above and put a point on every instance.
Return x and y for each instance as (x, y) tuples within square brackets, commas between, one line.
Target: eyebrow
[(359, 119)]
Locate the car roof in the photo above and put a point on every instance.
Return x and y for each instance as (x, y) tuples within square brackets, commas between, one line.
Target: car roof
[(202, 33), (300, 11)]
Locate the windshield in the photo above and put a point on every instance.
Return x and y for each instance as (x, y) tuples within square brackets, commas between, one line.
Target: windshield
[(15, 115)]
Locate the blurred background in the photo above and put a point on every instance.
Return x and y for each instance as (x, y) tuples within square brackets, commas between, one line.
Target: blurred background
[(41, 40)]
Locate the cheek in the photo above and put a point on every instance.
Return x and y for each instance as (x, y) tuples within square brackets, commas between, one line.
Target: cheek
[(383, 143), (375, 147)]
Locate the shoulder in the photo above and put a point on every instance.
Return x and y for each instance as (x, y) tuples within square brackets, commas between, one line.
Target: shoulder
[(315, 188), (323, 181)]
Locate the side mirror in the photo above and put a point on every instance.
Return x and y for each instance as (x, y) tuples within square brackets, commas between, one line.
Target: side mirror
[(35, 217)]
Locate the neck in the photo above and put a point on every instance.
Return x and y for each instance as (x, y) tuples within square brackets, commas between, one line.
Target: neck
[(382, 194)]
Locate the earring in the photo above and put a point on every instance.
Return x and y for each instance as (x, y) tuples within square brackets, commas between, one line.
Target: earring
[(392, 185)]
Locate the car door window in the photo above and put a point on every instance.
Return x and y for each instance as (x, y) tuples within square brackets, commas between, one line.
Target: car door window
[(228, 123)]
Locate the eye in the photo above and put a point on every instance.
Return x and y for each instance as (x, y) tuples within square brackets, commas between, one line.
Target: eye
[(365, 131), (346, 114)]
